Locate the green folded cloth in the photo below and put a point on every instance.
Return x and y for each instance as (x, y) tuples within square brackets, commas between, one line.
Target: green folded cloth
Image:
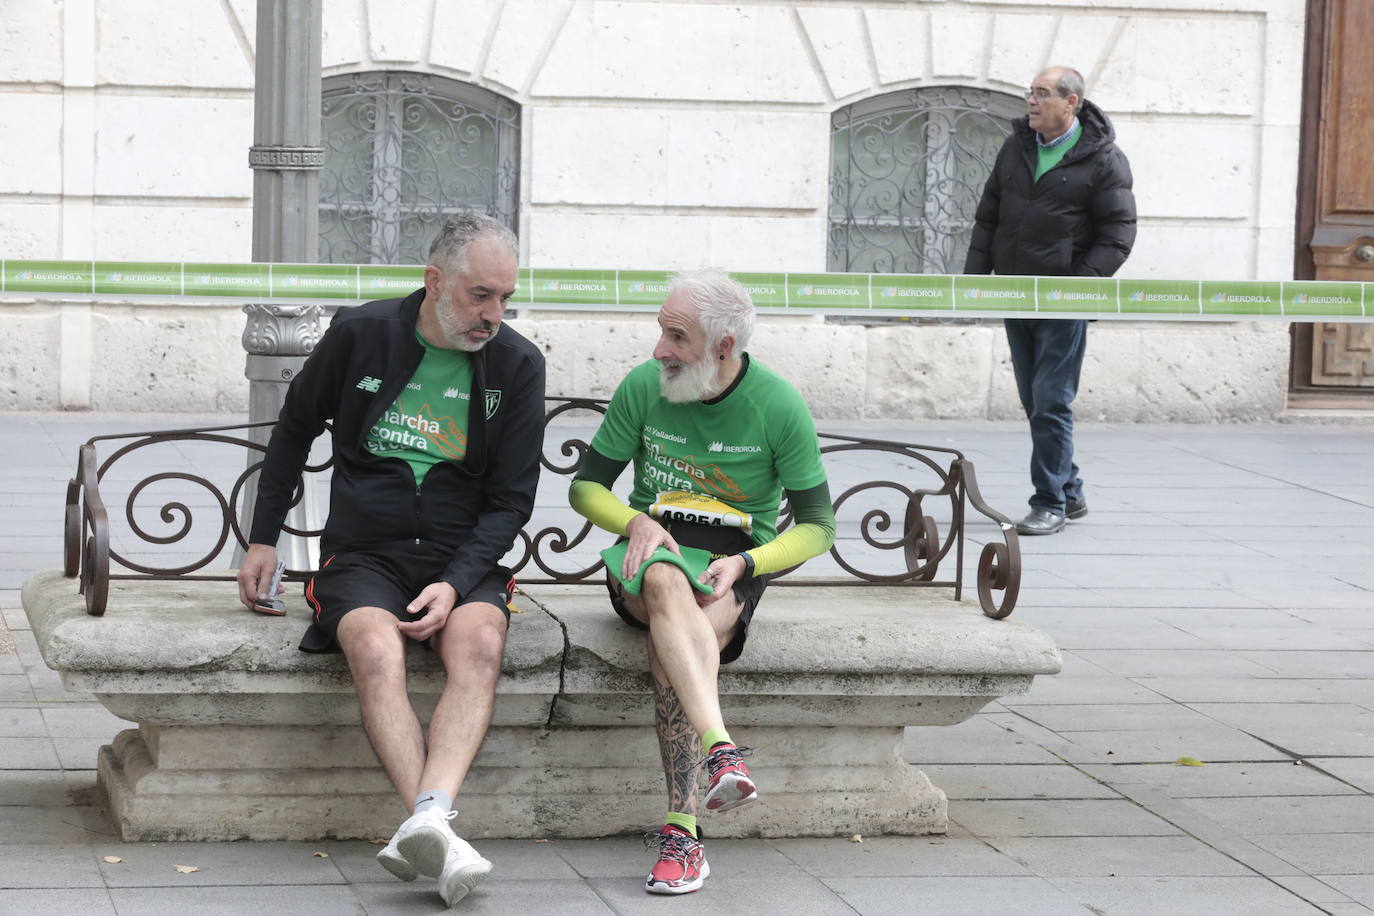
[(693, 562)]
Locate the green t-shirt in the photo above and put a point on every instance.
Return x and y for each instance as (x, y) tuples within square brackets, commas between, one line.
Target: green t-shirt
[(724, 462), (428, 422)]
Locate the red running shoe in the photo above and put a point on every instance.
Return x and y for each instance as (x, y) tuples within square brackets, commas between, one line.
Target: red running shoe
[(681, 866), (729, 783)]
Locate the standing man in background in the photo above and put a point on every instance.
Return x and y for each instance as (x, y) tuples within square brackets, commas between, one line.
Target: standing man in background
[(1058, 203)]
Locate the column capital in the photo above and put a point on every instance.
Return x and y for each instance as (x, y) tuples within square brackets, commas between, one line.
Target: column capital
[(281, 330)]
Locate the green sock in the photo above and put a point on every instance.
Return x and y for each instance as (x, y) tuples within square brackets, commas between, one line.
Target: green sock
[(685, 821), (713, 737)]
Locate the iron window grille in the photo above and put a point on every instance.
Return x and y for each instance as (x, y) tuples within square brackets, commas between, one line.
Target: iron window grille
[(402, 152), (906, 171)]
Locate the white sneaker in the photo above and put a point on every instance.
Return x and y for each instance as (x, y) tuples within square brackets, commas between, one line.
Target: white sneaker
[(391, 859), (422, 841), (463, 868)]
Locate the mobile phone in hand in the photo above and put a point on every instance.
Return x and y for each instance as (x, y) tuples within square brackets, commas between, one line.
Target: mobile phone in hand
[(272, 604)]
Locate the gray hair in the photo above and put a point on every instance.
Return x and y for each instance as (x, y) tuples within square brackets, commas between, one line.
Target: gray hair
[(1071, 83), (449, 250), (724, 305)]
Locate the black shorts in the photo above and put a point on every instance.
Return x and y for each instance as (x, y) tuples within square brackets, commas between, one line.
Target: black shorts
[(721, 542), (389, 577)]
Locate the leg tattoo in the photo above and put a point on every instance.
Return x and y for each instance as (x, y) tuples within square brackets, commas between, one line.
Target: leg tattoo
[(677, 744)]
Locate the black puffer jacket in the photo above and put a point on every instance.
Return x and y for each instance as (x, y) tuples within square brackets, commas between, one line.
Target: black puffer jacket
[(1077, 220)]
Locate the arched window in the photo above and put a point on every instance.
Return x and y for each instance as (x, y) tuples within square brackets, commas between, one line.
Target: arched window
[(403, 151), (906, 171)]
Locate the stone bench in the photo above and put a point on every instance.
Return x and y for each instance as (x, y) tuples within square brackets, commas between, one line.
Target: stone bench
[(240, 735)]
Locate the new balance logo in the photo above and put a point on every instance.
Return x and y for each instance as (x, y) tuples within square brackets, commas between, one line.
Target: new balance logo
[(715, 447), (368, 383), (451, 393)]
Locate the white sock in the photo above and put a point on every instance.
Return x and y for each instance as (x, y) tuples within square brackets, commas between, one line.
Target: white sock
[(429, 798)]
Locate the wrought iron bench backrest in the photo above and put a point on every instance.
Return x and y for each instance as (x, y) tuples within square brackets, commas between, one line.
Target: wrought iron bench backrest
[(887, 535)]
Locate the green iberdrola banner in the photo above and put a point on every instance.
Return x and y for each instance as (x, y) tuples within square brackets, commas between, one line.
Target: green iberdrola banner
[(827, 292), (914, 292), (994, 294), (1348, 300), (1242, 297), (1094, 295), (888, 295), (1159, 297), (641, 287), (124, 278), (572, 287), (237, 280), (47, 276), (317, 281), (383, 281), (769, 291)]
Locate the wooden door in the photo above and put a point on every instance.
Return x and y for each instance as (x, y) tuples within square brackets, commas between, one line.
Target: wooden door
[(1334, 363)]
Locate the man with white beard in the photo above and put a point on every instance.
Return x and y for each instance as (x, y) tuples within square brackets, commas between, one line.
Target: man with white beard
[(716, 438)]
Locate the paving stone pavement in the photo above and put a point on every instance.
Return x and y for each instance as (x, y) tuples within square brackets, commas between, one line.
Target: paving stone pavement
[(1217, 603)]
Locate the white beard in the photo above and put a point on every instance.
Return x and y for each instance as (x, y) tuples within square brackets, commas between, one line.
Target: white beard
[(693, 382)]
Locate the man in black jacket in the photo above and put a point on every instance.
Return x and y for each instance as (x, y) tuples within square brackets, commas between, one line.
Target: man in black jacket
[(1058, 203), (437, 415)]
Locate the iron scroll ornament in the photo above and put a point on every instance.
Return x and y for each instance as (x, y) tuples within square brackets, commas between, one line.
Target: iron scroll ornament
[(892, 532)]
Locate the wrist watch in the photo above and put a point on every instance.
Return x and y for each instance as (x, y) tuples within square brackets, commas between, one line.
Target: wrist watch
[(748, 565)]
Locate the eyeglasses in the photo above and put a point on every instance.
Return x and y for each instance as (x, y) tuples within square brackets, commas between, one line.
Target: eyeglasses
[(1040, 94)]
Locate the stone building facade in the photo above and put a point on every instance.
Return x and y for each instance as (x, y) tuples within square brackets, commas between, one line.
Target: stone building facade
[(656, 135)]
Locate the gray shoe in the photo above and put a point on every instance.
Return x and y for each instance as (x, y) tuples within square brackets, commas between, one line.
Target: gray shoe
[(1041, 521), (1076, 510)]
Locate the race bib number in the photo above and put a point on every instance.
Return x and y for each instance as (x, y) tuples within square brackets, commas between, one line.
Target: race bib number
[(682, 506)]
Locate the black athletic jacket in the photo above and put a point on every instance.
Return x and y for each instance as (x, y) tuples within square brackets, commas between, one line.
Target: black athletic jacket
[(477, 507), (1077, 220)]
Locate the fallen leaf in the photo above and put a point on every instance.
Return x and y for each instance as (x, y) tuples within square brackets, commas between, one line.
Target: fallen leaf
[(113, 860), (857, 838), (185, 869), (1188, 762), (321, 855)]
